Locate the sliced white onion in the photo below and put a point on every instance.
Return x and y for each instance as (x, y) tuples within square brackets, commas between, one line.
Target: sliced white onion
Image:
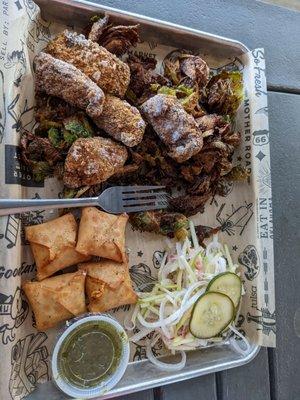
[(194, 235), (129, 320), (163, 326), (162, 365), (190, 290), (140, 335)]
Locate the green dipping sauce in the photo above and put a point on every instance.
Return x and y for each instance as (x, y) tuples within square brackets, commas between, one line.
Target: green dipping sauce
[(90, 354)]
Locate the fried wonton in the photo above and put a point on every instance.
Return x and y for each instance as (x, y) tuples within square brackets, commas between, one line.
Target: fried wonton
[(108, 285), (56, 299), (53, 245), (101, 234)]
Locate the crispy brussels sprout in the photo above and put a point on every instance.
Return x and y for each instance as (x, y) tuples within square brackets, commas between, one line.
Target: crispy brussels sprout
[(55, 136), (225, 92), (40, 170), (76, 127), (237, 173), (165, 223)]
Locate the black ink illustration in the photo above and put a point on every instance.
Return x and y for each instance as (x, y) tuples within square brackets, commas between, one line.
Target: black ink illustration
[(30, 218), (16, 172), (140, 348), (260, 137), (266, 321), (15, 220), (21, 114), (235, 65), (157, 258), (237, 220), (18, 5), (11, 231), (13, 310), (225, 187), (263, 110), (28, 364), (260, 155), (264, 179), (39, 30), (238, 325), (2, 107), (16, 59), (250, 260), (141, 277)]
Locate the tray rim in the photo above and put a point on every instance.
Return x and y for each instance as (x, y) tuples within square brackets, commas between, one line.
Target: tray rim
[(181, 375)]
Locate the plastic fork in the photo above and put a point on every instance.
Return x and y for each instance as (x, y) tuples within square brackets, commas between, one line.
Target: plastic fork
[(115, 200)]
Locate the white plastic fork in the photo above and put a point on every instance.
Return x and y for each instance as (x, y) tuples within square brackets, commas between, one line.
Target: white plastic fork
[(115, 200)]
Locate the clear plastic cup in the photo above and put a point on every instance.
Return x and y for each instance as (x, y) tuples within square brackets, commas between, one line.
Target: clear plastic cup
[(108, 382)]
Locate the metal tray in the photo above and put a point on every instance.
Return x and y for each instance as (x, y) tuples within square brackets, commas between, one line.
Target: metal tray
[(142, 375)]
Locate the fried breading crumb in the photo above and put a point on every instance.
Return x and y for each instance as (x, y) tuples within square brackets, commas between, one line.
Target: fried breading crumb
[(91, 161), (121, 121), (175, 127)]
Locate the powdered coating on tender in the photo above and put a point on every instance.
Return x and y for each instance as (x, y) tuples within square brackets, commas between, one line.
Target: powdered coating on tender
[(58, 78), (103, 67), (93, 160), (121, 121), (175, 127)]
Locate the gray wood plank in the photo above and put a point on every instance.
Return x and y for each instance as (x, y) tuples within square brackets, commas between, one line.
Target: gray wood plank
[(249, 382), (144, 395), (248, 21), (285, 163), (202, 388)]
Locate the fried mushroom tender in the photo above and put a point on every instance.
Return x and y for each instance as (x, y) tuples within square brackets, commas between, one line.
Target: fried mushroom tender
[(91, 161), (58, 78), (121, 121), (175, 127), (101, 66)]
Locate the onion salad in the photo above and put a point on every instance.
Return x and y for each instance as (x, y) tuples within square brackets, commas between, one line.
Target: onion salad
[(193, 304)]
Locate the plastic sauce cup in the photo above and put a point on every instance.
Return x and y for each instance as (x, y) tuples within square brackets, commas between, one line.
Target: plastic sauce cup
[(90, 357)]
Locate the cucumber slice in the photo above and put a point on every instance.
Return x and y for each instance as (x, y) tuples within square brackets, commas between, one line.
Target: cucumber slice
[(227, 283), (212, 313)]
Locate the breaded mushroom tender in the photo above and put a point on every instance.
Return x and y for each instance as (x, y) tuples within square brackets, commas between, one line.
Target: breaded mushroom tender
[(121, 121), (58, 78), (103, 67), (175, 127), (93, 160)]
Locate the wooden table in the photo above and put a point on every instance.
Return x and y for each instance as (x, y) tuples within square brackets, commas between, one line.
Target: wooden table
[(274, 373)]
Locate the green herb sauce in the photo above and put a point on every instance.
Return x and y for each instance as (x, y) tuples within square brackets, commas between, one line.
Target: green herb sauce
[(90, 354)]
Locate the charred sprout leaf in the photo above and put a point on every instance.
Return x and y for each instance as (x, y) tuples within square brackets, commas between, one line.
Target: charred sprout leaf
[(162, 222), (54, 136), (237, 173), (195, 69), (36, 148), (142, 77), (40, 170), (116, 39), (225, 92), (188, 97), (205, 232), (50, 111), (69, 193), (172, 71)]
